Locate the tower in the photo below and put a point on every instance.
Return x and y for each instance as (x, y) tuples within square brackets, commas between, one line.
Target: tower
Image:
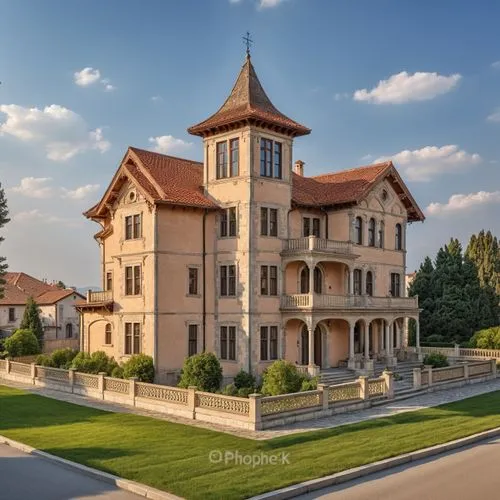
[(248, 172)]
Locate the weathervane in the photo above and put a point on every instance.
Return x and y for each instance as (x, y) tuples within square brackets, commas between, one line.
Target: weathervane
[(248, 42)]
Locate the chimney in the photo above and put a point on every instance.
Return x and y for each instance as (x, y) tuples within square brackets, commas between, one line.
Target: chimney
[(298, 168)]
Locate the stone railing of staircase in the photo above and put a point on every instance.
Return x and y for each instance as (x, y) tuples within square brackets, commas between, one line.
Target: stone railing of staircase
[(459, 352), (327, 301)]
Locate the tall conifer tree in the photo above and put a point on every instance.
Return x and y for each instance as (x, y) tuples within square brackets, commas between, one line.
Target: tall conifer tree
[(4, 219)]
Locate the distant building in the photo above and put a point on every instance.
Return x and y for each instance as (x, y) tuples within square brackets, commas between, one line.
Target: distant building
[(59, 317)]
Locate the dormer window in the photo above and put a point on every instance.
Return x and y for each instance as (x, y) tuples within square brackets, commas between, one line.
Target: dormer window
[(270, 158), (228, 166)]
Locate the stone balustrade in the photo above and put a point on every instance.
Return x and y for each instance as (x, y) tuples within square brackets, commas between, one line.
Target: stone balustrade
[(99, 296), (315, 244)]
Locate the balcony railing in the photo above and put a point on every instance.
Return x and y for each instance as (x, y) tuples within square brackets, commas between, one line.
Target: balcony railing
[(312, 243), (325, 301), (100, 296)]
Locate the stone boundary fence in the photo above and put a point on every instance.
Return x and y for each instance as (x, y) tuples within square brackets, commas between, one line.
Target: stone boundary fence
[(459, 352), (462, 373), (254, 413)]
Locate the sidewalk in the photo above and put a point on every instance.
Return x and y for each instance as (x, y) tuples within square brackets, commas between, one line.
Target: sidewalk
[(420, 402)]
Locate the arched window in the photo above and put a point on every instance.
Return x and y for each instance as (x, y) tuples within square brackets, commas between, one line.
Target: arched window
[(371, 233), (381, 234), (369, 283), (318, 280), (69, 331), (357, 282), (399, 237), (107, 334), (358, 231), (304, 280)]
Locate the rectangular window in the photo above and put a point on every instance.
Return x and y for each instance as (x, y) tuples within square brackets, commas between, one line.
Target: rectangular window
[(277, 160), (12, 314), (228, 281), (264, 343), (222, 160), (138, 226), (273, 342), (109, 281), (264, 222), (193, 340), (269, 280), (316, 227), (193, 281), (395, 285), (266, 149), (228, 226), (234, 146), (133, 280), (228, 343), (128, 227), (132, 338), (264, 281), (273, 222), (306, 222), (357, 282)]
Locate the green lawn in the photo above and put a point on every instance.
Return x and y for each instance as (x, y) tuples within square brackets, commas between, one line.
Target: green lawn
[(175, 457)]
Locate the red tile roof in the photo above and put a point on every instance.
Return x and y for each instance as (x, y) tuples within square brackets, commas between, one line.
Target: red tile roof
[(20, 286), (248, 102)]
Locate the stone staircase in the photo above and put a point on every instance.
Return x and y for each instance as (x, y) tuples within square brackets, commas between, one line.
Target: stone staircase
[(404, 369)]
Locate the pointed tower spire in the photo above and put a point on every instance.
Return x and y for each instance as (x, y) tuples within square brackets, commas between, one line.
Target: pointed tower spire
[(248, 104)]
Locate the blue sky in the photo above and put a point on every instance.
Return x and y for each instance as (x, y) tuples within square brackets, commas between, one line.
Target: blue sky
[(418, 82)]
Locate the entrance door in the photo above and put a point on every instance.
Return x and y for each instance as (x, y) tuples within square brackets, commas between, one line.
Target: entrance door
[(318, 353)]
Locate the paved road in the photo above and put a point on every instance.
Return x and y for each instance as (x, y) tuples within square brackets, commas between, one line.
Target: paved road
[(25, 477), (471, 473)]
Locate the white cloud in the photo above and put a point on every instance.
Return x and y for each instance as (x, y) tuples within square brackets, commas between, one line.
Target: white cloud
[(168, 144), (367, 157), (87, 76), (61, 132), (107, 85), (495, 116), (495, 65), (34, 187), (157, 98), (404, 87), (264, 4), (461, 202), (80, 192), (430, 161)]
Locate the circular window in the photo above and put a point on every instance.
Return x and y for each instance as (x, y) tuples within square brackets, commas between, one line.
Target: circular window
[(384, 195), (131, 196)]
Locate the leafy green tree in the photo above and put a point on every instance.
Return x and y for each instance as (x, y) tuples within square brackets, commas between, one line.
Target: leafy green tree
[(140, 366), (4, 219), (31, 319), (486, 339), (22, 343), (203, 371), (484, 251)]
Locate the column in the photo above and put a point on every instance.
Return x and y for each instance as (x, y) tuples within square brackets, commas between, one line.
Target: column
[(367, 341), (417, 328), (311, 279), (351, 341), (311, 347), (388, 347)]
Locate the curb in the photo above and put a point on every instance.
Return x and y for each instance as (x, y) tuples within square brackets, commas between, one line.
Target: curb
[(123, 484), (365, 470)]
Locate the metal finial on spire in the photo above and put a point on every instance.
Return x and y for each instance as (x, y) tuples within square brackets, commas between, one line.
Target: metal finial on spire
[(247, 40)]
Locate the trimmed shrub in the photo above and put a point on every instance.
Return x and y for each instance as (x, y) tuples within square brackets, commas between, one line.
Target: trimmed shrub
[(117, 372), (22, 343), (309, 384), (62, 358), (436, 360), (44, 360), (282, 377), (244, 379), (488, 338), (94, 363), (244, 392), (230, 390), (203, 371), (140, 366)]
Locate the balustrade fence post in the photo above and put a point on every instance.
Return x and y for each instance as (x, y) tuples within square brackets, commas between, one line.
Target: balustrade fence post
[(494, 368), (255, 411), (417, 378), (429, 372), (389, 384), (100, 384), (132, 389), (71, 379), (363, 387), (324, 395), (466, 371), (7, 365), (192, 401), (33, 372)]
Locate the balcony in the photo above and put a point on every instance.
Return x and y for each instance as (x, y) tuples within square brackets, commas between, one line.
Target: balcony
[(315, 244), (310, 301), (102, 299)]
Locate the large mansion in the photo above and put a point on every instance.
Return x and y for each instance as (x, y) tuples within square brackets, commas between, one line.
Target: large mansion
[(245, 256)]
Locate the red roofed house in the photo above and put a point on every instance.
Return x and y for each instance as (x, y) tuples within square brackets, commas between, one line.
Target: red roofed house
[(245, 256), (59, 317)]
